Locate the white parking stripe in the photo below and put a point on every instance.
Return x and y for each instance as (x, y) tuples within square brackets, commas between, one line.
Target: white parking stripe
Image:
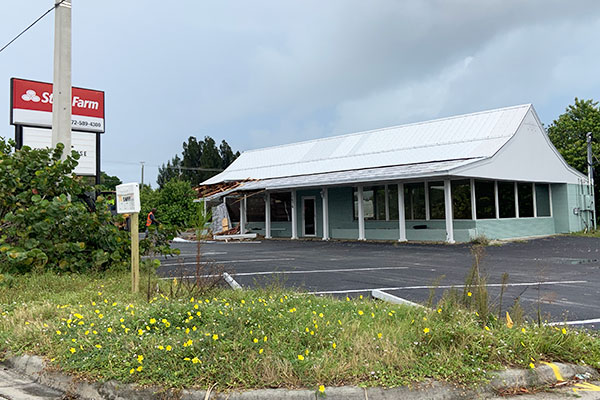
[(446, 287), (208, 253), (217, 262), (295, 271), (580, 322)]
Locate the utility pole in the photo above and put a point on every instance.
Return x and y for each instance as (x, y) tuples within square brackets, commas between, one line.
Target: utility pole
[(590, 162), (61, 103), (142, 162)]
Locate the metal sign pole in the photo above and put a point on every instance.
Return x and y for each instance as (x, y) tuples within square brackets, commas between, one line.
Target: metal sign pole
[(135, 252)]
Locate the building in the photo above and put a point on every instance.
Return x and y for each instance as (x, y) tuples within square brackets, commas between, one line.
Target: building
[(492, 174)]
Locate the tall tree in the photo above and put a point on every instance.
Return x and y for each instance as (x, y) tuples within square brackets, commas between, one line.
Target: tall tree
[(227, 155), (200, 160), (568, 134), (169, 171)]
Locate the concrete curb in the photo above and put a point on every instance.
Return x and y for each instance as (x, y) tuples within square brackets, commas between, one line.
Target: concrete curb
[(543, 375)]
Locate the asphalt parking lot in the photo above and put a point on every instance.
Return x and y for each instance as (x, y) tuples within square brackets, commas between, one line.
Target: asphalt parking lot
[(560, 275)]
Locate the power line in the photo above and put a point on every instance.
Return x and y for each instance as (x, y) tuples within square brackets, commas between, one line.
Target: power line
[(165, 166), (31, 25)]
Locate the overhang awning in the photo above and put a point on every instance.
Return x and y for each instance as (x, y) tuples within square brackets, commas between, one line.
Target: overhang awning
[(368, 175)]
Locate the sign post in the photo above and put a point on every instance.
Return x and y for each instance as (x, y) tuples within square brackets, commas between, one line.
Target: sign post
[(128, 202)]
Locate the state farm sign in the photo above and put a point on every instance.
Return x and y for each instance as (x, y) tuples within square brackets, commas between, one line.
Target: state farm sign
[(31, 105)]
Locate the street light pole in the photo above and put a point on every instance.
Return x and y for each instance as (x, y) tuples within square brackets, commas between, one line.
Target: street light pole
[(142, 162), (61, 102)]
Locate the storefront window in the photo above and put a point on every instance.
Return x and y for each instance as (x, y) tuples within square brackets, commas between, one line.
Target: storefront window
[(485, 199), (506, 199), (525, 194), (461, 199), (437, 208)]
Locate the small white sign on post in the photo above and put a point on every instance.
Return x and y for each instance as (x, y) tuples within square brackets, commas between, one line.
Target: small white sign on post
[(128, 202), (128, 198)]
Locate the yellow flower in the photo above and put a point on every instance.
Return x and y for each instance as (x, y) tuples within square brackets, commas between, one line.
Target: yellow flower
[(426, 330), (469, 294), (321, 315), (140, 358), (78, 316), (215, 336), (334, 345), (564, 331), (509, 321), (196, 360), (523, 330), (140, 332), (131, 371), (169, 348), (322, 389), (306, 351), (265, 339), (439, 310), (58, 332), (360, 312), (152, 321), (486, 328), (379, 335), (255, 340), (72, 350), (300, 357), (139, 368), (99, 346), (531, 365), (261, 351), (109, 329), (161, 347)]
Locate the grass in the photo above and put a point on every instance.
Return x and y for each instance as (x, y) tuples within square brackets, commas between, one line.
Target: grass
[(587, 233), (93, 327)]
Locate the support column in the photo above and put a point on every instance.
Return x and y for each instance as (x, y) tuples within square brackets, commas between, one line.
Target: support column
[(448, 206), (516, 200), (361, 215), (473, 201), (534, 201), (427, 212), (294, 216), (243, 215), (496, 200), (401, 215), (325, 196), (268, 215), (387, 205)]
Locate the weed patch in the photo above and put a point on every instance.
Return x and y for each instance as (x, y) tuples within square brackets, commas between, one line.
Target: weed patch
[(92, 326)]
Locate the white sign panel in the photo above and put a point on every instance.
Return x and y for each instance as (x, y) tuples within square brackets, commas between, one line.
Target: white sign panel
[(128, 198), (83, 143)]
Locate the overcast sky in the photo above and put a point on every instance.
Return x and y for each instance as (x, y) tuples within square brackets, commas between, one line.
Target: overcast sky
[(259, 73)]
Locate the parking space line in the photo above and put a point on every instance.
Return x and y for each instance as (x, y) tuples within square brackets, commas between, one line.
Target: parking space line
[(209, 253), (296, 271), (580, 322), (227, 262), (446, 287)]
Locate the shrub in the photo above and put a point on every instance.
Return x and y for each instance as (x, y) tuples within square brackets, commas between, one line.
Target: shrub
[(174, 204), (48, 220)]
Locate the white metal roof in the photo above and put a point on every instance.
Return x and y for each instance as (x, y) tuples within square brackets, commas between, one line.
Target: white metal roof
[(465, 137)]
